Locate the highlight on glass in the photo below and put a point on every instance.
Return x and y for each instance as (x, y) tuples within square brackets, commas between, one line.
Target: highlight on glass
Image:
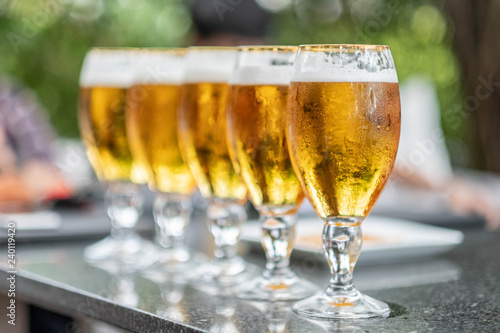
[(343, 125)]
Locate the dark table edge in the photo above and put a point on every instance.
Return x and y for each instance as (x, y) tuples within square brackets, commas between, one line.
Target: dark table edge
[(60, 297)]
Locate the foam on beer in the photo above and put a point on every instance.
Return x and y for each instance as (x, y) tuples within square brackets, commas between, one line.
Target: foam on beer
[(214, 66), (108, 68), (318, 68), (159, 67), (264, 67), (257, 75)]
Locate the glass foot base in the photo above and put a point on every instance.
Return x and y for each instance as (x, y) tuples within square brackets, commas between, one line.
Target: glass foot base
[(123, 291), (289, 288), (341, 305), (171, 268), (212, 279), (118, 255)]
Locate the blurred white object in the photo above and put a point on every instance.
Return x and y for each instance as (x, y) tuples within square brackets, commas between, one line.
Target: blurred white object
[(43, 220), (422, 150), (71, 159)]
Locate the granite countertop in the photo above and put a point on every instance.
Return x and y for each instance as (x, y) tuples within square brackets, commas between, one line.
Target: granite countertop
[(455, 292)]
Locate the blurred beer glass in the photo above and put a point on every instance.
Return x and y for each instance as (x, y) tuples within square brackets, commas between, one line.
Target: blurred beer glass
[(151, 117), (105, 76), (203, 141), (343, 124), (256, 130)]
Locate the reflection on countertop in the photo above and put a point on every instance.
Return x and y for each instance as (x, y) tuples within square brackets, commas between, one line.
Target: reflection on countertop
[(458, 291)]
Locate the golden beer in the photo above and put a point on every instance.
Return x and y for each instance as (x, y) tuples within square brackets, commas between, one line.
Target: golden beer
[(203, 140), (152, 131), (102, 126), (256, 125), (346, 137)]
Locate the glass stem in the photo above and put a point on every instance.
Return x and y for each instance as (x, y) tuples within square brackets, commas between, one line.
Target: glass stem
[(224, 222), (171, 214), (278, 234), (342, 240), (124, 207)]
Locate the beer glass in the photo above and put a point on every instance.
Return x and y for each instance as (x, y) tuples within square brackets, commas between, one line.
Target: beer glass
[(203, 142), (343, 123), (105, 76), (151, 118), (256, 118)]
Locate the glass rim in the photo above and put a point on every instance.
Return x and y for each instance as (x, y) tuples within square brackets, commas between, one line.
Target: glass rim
[(343, 47), (137, 51), (171, 50), (112, 48), (125, 48), (212, 48), (265, 48)]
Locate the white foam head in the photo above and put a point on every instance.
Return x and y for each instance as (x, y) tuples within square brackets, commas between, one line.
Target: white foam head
[(263, 67), (108, 68), (209, 65), (253, 75), (159, 67), (358, 66)]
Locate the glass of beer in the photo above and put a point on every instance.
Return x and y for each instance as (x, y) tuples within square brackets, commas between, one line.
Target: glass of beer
[(203, 142), (256, 118), (151, 119), (343, 124), (105, 76)]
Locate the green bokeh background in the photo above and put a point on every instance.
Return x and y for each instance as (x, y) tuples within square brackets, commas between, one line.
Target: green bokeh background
[(44, 42)]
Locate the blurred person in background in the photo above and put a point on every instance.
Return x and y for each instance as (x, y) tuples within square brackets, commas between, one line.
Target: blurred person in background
[(218, 23), (27, 173), (423, 165)]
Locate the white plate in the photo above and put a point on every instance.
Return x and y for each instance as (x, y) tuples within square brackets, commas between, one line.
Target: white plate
[(384, 239)]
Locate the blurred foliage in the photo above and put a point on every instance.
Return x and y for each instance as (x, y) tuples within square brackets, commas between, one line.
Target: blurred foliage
[(45, 41), (417, 31)]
